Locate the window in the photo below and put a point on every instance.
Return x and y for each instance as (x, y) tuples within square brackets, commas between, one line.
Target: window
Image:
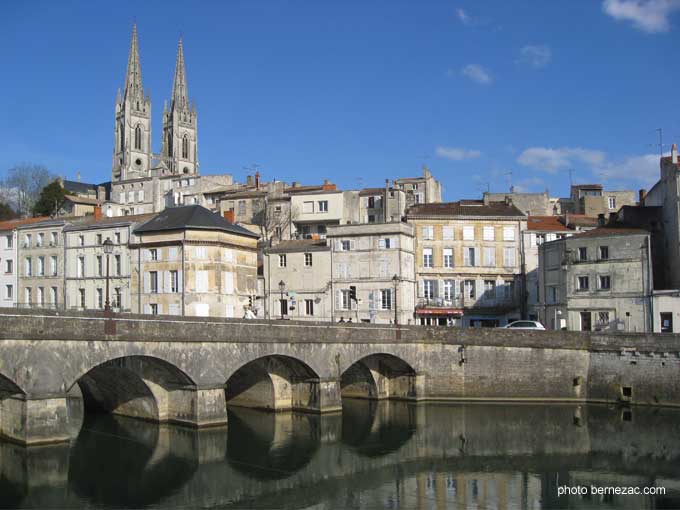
[(469, 289), (41, 296), (53, 296), (585, 321), (666, 321), (81, 240), (308, 260), (29, 267), (241, 207), (9, 266), (602, 320), (604, 252), (552, 295), (28, 298), (489, 256), (582, 283), (508, 257), (309, 307), (429, 289), (9, 292), (469, 233), (449, 289), (448, 257), (201, 253), (153, 281), (153, 254), (81, 298), (604, 282), (583, 253), (508, 233), (100, 265), (282, 261), (117, 297), (345, 245), (116, 236), (371, 218), (100, 298), (153, 308), (447, 233), (27, 241), (80, 269), (611, 202), (174, 281), (41, 266), (117, 265), (323, 207), (185, 147), (469, 257), (41, 240), (99, 239), (386, 299), (428, 232), (427, 257), (489, 289), (509, 289), (308, 207), (385, 244), (489, 234), (540, 239), (140, 195), (344, 300), (9, 242), (138, 137)]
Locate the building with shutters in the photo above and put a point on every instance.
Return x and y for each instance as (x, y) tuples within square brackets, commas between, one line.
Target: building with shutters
[(303, 266), (85, 262), (190, 261), (367, 258), (468, 263)]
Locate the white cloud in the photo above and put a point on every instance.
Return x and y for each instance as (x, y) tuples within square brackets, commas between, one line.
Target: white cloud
[(535, 56), (551, 160), (642, 170), (463, 16), (647, 15), (477, 74), (456, 154)]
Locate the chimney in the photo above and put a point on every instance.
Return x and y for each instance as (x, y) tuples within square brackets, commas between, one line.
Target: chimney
[(642, 194), (387, 194), (250, 180), (674, 154), (78, 175), (229, 215), (97, 212), (328, 185), (295, 184), (485, 198), (257, 180), (600, 220)]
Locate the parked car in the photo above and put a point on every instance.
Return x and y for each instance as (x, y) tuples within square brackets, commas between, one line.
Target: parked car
[(525, 325)]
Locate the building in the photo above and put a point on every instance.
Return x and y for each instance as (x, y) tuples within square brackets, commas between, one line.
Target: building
[(190, 261), (468, 263), (373, 276), (85, 272), (540, 229), (9, 270), (381, 205), (420, 190), (297, 280), (531, 204), (592, 200), (597, 280)]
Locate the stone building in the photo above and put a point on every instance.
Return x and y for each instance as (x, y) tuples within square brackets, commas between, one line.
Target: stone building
[(597, 280), (85, 262), (468, 263), (304, 268), (420, 190), (9, 270), (190, 261), (381, 205), (592, 200), (531, 204), (365, 260)]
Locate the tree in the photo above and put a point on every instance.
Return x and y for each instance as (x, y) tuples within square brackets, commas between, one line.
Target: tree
[(51, 200), (272, 218), (22, 186), (6, 212)]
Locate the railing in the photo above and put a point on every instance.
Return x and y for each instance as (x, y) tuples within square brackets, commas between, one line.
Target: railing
[(466, 302), (62, 307)]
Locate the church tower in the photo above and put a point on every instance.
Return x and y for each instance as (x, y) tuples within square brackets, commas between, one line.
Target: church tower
[(132, 138), (180, 144)]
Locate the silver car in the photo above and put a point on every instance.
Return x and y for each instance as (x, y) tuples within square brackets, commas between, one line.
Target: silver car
[(525, 325)]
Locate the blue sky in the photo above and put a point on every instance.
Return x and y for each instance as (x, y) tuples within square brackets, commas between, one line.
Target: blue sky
[(358, 91)]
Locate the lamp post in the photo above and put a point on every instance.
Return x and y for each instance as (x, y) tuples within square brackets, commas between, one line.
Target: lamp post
[(282, 288), (395, 281), (108, 249), (558, 325)]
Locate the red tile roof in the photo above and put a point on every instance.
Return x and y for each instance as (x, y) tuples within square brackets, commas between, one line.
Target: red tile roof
[(12, 224), (547, 223)]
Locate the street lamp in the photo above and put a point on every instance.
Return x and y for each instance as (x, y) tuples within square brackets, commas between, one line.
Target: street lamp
[(558, 313), (108, 249), (282, 288), (395, 281)]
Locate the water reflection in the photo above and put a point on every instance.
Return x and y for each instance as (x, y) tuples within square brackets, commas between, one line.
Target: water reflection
[(391, 455)]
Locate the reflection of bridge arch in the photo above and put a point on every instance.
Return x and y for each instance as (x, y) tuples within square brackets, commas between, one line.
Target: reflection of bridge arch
[(136, 386), (379, 376), (276, 383)]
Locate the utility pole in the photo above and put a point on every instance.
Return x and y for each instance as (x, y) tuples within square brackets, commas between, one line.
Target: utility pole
[(571, 177)]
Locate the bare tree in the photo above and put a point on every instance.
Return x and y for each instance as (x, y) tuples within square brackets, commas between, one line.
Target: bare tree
[(272, 219), (22, 186)]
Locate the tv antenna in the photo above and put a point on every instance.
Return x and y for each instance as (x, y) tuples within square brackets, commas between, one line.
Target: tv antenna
[(571, 176), (660, 145), (509, 176)]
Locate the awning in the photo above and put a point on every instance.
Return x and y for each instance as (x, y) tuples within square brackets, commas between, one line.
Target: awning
[(439, 311)]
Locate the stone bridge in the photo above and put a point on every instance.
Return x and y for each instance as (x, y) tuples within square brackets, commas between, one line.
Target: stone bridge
[(188, 370)]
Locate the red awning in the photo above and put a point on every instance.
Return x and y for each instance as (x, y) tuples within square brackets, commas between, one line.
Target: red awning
[(439, 311)]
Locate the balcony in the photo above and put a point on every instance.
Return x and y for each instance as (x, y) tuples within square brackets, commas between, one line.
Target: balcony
[(460, 302)]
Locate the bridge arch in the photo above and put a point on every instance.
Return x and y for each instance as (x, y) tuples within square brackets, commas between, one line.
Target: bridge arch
[(8, 387), (274, 382), (379, 376), (136, 386)]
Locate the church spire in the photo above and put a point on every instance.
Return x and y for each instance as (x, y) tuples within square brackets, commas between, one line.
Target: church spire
[(133, 76), (180, 94)]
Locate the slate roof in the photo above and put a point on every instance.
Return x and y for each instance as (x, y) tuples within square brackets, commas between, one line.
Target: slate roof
[(299, 245), (90, 221), (465, 208), (191, 217), (610, 231)]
